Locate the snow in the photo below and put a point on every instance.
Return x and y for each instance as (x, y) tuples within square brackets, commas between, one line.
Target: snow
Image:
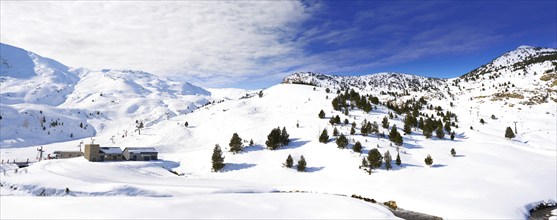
[(230, 206), (141, 149), (474, 184), (111, 150)]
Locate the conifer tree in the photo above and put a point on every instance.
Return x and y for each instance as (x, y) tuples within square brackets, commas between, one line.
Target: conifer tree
[(374, 159), (302, 164), (452, 135), (321, 114), (388, 160), (395, 137), (357, 147), (289, 162), (453, 152), (482, 121), (235, 143), (335, 132), (448, 127), (251, 142), (428, 160), (509, 133), (284, 137), (273, 139), (342, 142), (407, 124), (385, 122), (217, 159), (186, 124), (324, 137), (398, 161), (439, 133)]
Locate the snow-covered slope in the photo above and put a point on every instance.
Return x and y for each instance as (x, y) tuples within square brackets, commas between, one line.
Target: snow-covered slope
[(374, 83), (473, 184), (44, 101)]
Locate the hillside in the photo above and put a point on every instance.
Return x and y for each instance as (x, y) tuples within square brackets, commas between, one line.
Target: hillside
[(474, 183), (44, 101)]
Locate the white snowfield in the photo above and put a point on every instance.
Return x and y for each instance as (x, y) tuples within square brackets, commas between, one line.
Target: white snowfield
[(491, 176)]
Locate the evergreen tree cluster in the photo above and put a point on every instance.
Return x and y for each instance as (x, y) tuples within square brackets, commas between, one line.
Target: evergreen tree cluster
[(334, 120), (277, 138), (352, 99), (342, 142)]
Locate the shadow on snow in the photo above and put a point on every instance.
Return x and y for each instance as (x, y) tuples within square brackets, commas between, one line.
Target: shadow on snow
[(236, 166)]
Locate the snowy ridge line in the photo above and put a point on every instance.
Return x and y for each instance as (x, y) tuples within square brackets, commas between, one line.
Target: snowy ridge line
[(124, 190)]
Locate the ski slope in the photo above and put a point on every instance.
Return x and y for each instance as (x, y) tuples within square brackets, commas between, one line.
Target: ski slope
[(491, 176)]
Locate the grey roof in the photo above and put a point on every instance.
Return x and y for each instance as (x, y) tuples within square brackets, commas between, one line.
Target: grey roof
[(141, 150), (111, 150)]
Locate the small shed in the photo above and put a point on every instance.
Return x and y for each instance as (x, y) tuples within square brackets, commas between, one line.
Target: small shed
[(140, 153), (67, 154), (110, 154)]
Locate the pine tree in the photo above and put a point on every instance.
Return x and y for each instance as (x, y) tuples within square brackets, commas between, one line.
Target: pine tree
[(388, 160), (453, 152), (352, 131), (398, 161), (452, 135), (448, 127), (273, 139), (375, 159), (284, 137), (289, 162), (439, 133), (251, 143), (395, 137), (342, 142), (235, 143), (186, 124), (407, 124), (321, 114), (302, 164), (357, 147), (509, 133), (217, 159), (428, 160), (260, 94), (324, 137), (385, 122), (335, 132), (482, 121)]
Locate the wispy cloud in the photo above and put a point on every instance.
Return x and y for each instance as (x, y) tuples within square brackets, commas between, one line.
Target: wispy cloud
[(211, 42)]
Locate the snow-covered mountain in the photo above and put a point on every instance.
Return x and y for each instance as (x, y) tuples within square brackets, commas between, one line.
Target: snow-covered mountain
[(527, 74), (475, 183), (44, 101)]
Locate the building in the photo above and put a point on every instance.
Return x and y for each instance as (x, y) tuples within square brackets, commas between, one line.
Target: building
[(110, 154), (67, 154), (140, 153), (94, 152)]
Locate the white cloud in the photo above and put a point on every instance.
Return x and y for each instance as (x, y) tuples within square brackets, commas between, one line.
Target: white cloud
[(209, 42)]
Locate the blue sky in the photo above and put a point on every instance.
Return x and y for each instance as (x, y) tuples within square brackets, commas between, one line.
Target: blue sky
[(254, 44)]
